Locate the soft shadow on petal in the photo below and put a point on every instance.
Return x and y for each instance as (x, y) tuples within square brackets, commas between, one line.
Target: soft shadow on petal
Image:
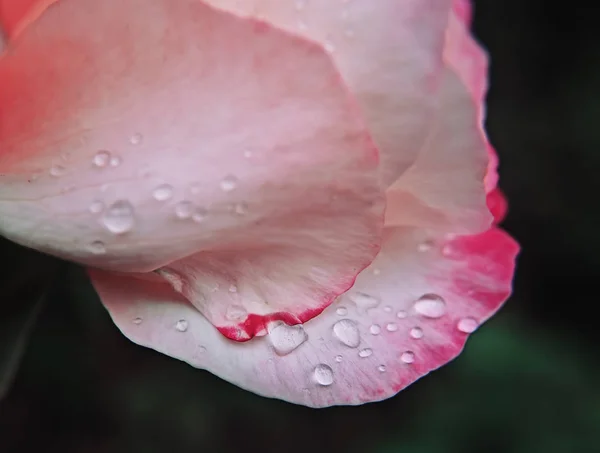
[(389, 53), (444, 188), (185, 129), (409, 313)]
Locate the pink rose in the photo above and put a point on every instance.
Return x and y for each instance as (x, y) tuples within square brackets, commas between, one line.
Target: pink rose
[(222, 167)]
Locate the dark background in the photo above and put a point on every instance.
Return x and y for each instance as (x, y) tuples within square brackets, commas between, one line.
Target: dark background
[(527, 382)]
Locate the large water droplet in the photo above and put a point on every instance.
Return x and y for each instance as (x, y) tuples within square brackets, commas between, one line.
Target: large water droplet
[(341, 311), (119, 218), (346, 331), (97, 248), (101, 159), (363, 353), (240, 208), (163, 192), (407, 357), (323, 375), (363, 300), (431, 306), (96, 207), (375, 329), (57, 170), (286, 339), (416, 333), (229, 183), (181, 325), (401, 314), (467, 325), (236, 313), (184, 209)]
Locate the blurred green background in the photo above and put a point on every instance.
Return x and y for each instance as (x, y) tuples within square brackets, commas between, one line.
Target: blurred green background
[(526, 382)]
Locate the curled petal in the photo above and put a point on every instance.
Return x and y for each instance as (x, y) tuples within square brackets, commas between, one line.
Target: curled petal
[(409, 313)]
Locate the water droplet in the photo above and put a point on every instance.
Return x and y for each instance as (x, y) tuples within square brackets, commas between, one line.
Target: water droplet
[(163, 192), (347, 332), (119, 217), (364, 300), (181, 325), (97, 248), (431, 306), (408, 357), (229, 183), (96, 207), (101, 159), (401, 314), (184, 209), (57, 170), (381, 368), (363, 353), (240, 208), (376, 271), (233, 289), (199, 215), (416, 333), (425, 246), (392, 327), (467, 325), (338, 358), (236, 313), (136, 139), (387, 309), (342, 311), (201, 349), (137, 321), (323, 375), (115, 161), (375, 329), (286, 339)]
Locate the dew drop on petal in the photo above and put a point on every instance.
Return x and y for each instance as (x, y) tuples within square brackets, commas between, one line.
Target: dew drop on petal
[(338, 358), (346, 331), (401, 314), (57, 170), (363, 353), (236, 313), (286, 339), (407, 357), (323, 375), (387, 309), (199, 215), (181, 325), (136, 139), (96, 207), (233, 289), (184, 210), (381, 368), (416, 333), (431, 306), (119, 218), (97, 248), (392, 327), (467, 325), (342, 311), (163, 192), (229, 183), (376, 271), (240, 208), (363, 300), (375, 329), (101, 159), (115, 161), (137, 321)]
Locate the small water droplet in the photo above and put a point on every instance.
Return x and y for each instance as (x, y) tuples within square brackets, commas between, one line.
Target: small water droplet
[(338, 358), (199, 215), (467, 325), (236, 313), (201, 349), (101, 159), (416, 333), (240, 208), (286, 339), (392, 327), (363, 353), (387, 309), (115, 161), (375, 329), (181, 325), (233, 289), (381, 368), (346, 331), (341, 311), (57, 170), (363, 300), (229, 183), (323, 375), (97, 248), (136, 139), (137, 321), (163, 192), (425, 246), (402, 314), (119, 218), (431, 306), (96, 207), (184, 209), (408, 357)]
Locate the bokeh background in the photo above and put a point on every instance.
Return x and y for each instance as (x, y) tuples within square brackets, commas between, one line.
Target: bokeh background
[(526, 383)]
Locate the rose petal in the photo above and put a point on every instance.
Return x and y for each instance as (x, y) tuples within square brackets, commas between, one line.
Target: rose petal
[(444, 188), (16, 15), (186, 129), (389, 54), (409, 313)]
